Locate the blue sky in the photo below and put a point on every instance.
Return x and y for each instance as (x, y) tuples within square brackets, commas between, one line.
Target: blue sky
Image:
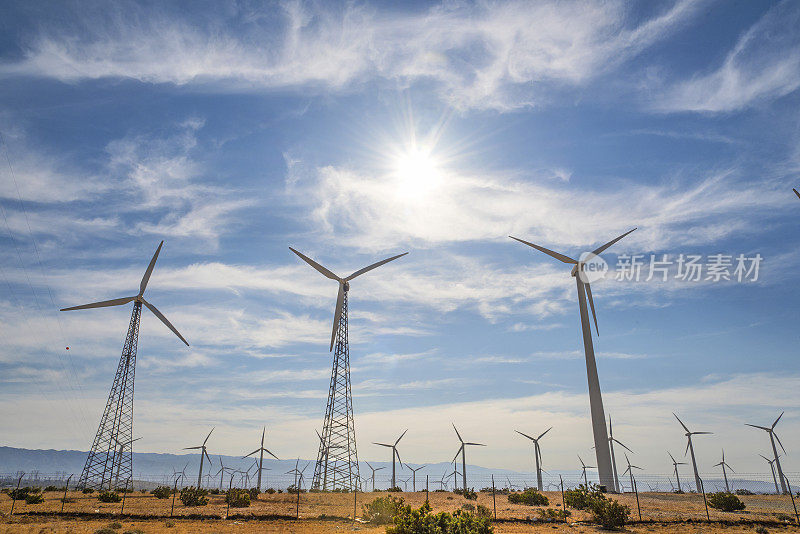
[(361, 130)]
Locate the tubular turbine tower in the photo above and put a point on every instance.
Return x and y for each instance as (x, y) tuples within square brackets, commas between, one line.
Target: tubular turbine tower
[(337, 459)]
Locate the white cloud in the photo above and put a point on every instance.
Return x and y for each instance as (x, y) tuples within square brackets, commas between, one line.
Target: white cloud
[(764, 64), (484, 55)]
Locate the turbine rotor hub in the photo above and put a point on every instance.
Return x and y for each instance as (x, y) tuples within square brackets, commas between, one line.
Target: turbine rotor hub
[(346, 286)]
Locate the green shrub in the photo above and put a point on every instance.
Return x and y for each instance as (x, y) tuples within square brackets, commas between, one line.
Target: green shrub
[(484, 511), (610, 514), (553, 514), (53, 488), (395, 489), (108, 496), (469, 507), (88, 490), (162, 492), (238, 498), (254, 493), (105, 530), (115, 525), (169, 523), (422, 521), (293, 489), (214, 491), (744, 492), (580, 497), (727, 502), (21, 494), (270, 491), (134, 531), (530, 497), (469, 494), (382, 510), (34, 498), (192, 496)]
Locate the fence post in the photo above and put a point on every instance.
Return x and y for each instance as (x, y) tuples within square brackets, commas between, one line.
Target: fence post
[(636, 490), (355, 502), (563, 502), (124, 493), (789, 487), (426, 488), (705, 501), (174, 492), (297, 509), (494, 500), (228, 498), (64, 500), (14, 497)]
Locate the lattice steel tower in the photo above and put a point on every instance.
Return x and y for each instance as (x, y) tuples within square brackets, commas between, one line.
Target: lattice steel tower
[(110, 461), (337, 460)]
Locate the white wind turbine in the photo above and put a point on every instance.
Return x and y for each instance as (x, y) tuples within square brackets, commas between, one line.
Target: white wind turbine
[(611, 441), (537, 453), (585, 467), (261, 450), (373, 473), (203, 453), (675, 465), (121, 449), (690, 448), (725, 464), (595, 396), (414, 476), (772, 437), (395, 453), (772, 468), (462, 450), (629, 470)]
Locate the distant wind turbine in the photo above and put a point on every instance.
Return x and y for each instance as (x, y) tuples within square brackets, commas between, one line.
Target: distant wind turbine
[(203, 453), (772, 468), (725, 464), (462, 450), (772, 437), (121, 450), (395, 453), (675, 465), (690, 448), (630, 469), (602, 450), (261, 450), (585, 467), (537, 454), (611, 440), (414, 476), (373, 469)]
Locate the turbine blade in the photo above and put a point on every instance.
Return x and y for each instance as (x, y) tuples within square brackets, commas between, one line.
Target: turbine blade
[(591, 305), (795, 192), (382, 444), (702, 433), (672, 457), (164, 320), (618, 441), (270, 453), (778, 419), (373, 266), (337, 315), (681, 422), (479, 444), (209, 435), (252, 453), (101, 304), (543, 433), (401, 437), (190, 448), (756, 426), (317, 266), (599, 250), (457, 434), (552, 253), (526, 435), (368, 464), (458, 452), (687, 448), (779, 442), (149, 271), (208, 457)]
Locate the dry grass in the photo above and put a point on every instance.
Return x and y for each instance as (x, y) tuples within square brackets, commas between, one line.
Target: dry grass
[(315, 507)]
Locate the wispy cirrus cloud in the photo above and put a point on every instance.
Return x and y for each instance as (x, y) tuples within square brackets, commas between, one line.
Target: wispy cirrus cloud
[(484, 55), (763, 65)]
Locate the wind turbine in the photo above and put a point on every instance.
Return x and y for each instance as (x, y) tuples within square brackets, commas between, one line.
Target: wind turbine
[(724, 464), (537, 454), (121, 449), (772, 468), (298, 473), (772, 437), (630, 469), (394, 453), (611, 440), (221, 472), (116, 424), (373, 473), (463, 450), (414, 476), (675, 465), (261, 450), (690, 448), (595, 397), (182, 474), (203, 453), (339, 446), (585, 467)]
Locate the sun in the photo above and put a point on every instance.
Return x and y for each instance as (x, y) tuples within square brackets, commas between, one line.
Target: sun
[(416, 171)]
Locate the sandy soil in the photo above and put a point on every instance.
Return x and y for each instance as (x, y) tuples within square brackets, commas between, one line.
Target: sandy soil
[(676, 509)]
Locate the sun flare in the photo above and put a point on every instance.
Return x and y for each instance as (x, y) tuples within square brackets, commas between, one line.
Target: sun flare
[(417, 171)]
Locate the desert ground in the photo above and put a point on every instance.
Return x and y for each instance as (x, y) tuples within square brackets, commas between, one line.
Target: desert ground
[(333, 512)]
